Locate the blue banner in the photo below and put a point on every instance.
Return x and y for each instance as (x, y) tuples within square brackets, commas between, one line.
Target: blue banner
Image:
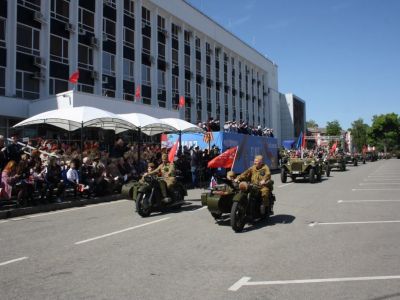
[(249, 147)]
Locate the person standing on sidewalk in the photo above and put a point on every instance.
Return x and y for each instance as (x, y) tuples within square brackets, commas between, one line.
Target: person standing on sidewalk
[(194, 165)]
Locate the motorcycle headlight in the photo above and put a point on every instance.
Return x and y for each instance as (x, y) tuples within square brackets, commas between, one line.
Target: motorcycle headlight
[(243, 186)]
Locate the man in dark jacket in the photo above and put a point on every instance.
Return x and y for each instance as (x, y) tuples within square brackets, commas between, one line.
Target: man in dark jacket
[(195, 158)]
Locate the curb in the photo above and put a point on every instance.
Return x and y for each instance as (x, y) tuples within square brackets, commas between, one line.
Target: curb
[(18, 212)]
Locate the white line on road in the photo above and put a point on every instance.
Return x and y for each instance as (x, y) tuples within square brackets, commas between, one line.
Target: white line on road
[(351, 223), (381, 179), (385, 183), (361, 201), (355, 190), (283, 185), (63, 211), (195, 210), (13, 261), (120, 231), (383, 176), (246, 281)]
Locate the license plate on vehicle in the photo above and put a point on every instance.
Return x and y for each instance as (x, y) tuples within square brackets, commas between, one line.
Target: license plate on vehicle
[(296, 172)]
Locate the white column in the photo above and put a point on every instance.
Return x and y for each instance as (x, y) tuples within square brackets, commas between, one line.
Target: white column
[(229, 83), (98, 53), (154, 55), (138, 43), (213, 78), (11, 42), (119, 53), (181, 60), (203, 84), (193, 79), (168, 59), (45, 48), (73, 39), (236, 86)]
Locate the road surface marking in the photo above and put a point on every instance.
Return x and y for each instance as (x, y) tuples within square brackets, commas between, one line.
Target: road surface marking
[(283, 185), (4, 221), (350, 223), (65, 210), (195, 210), (361, 201), (385, 183), (383, 176), (354, 190), (245, 281), (13, 261), (120, 231)]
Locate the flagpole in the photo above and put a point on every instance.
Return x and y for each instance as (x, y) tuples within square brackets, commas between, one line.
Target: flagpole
[(234, 159)]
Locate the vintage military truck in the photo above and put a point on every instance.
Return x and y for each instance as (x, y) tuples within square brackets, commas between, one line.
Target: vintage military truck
[(351, 158), (308, 168), (336, 162)]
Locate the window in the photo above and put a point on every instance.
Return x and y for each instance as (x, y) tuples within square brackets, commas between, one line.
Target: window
[(187, 88), (160, 23), (58, 49), (146, 75), (175, 85), (175, 56), (109, 3), (175, 30), (32, 4), (198, 66), (60, 9), (198, 92), (161, 50), (27, 86), (2, 32), (109, 28), (187, 36), (129, 7), (57, 86), (129, 37), (187, 62), (129, 70), (85, 88), (108, 64), (86, 19), (2, 81), (146, 100), (28, 39), (146, 45), (217, 104), (145, 16), (197, 44), (108, 93), (161, 79), (85, 57)]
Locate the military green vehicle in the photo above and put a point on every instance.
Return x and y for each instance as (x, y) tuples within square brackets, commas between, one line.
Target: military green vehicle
[(308, 168), (336, 162), (351, 158)]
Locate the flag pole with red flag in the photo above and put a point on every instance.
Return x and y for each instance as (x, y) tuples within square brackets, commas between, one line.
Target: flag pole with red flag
[(172, 152), (224, 160), (181, 102), (137, 93), (74, 78)]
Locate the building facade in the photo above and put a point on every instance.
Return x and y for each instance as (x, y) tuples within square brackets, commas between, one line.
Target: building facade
[(169, 48), (292, 116)]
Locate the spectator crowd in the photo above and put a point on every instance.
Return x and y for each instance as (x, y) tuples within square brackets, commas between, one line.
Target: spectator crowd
[(236, 127)]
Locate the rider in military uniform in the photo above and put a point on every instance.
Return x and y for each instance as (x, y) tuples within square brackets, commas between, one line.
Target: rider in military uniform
[(259, 174), (167, 171)]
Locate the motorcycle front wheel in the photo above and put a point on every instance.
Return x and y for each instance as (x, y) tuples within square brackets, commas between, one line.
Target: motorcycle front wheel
[(238, 216), (142, 204)]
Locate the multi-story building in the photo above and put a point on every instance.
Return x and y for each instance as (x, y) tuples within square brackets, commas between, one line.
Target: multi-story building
[(293, 116), (169, 48)]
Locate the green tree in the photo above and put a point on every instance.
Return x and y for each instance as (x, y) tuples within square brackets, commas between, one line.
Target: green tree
[(359, 134), (385, 132), (333, 128), (311, 124)]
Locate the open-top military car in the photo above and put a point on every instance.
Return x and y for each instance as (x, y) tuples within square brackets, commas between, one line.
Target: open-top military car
[(351, 158), (309, 168), (336, 162)]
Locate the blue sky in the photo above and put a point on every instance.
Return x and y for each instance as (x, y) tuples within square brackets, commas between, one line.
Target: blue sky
[(342, 57)]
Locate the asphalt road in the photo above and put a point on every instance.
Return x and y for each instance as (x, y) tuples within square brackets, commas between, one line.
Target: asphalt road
[(338, 239)]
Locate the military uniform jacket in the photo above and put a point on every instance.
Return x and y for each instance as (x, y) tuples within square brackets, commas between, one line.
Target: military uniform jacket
[(254, 175), (167, 170)]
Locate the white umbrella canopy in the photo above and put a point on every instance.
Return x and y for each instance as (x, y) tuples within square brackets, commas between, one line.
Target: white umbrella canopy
[(77, 117), (147, 124), (182, 125)]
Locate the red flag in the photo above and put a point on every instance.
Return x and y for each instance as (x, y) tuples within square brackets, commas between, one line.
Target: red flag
[(224, 160), (172, 152), (333, 149), (303, 141), (74, 77), (137, 93), (181, 102)]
